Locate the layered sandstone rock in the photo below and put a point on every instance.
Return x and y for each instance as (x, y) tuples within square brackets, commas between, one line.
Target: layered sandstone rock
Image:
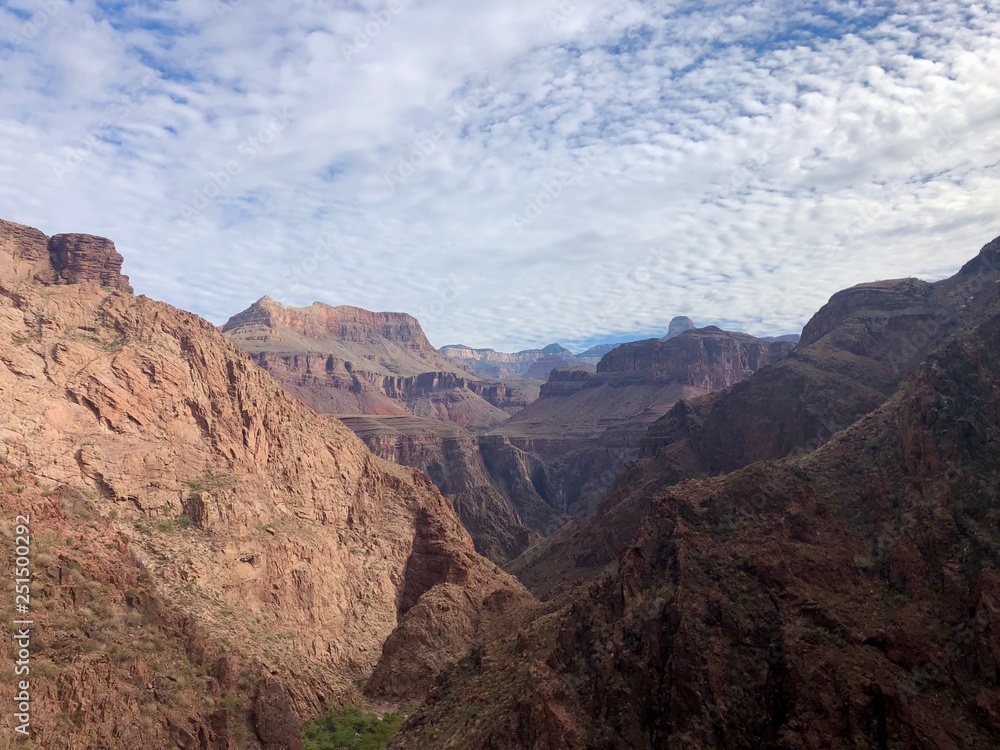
[(24, 253), (711, 359), (81, 258), (269, 321), (344, 360), (27, 254)]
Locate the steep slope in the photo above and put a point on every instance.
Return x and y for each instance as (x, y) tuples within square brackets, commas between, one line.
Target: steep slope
[(567, 449), (843, 599), (269, 538), (344, 360), (450, 457), (113, 663), (852, 357), (363, 366)]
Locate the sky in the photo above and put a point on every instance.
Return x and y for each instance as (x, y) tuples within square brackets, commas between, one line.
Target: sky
[(513, 173)]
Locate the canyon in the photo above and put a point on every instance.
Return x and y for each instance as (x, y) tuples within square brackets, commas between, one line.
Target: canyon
[(854, 354), (843, 596), (215, 561), (516, 466), (702, 540)]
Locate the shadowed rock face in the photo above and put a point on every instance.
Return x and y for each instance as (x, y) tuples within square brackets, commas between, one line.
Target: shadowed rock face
[(840, 599), (707, 358), (854, 354), (451, 458), (567, 449), (81, 258)]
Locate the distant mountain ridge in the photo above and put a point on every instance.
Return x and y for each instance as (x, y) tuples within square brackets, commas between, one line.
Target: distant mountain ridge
[(539, 363), (564, 451), (835, 586)]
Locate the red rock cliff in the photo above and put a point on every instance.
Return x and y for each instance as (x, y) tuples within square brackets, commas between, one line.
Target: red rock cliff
[(28, 254)]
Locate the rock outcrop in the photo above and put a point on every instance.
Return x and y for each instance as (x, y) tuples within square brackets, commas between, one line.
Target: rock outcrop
[(710, 359), (27, 254), (81, 258), (844, 598), (567, 449), (679, 325), (268, 321), (275, 550)]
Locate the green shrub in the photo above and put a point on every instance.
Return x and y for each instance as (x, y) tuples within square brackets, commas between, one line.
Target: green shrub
[(350, 728), (828, 638)]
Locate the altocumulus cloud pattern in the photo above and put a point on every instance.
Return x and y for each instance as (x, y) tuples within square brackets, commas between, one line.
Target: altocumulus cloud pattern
[(513, 172)]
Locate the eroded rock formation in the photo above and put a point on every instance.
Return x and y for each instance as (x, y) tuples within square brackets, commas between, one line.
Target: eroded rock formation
[(841, 599), (26, 253), (854, 354), (567, 449), (274, 549)]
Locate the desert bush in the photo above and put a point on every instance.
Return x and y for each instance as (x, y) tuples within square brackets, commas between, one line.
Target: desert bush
[(350, 728)]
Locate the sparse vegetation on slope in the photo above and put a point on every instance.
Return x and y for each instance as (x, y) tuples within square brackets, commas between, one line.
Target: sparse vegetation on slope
[(350, 728)]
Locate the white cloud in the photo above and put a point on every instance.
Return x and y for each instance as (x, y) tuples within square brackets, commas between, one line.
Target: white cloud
[(514, 173)]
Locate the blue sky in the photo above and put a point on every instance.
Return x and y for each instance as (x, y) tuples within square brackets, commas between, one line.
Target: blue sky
[(513, 173)]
